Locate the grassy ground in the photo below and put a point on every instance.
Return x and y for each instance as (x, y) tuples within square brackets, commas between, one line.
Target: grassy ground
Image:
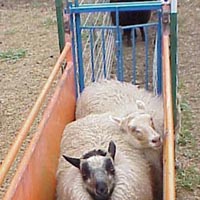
[(188, 150)]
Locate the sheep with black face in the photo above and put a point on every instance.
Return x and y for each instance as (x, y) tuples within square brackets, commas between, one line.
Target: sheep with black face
[(102, 173), (97, 171)]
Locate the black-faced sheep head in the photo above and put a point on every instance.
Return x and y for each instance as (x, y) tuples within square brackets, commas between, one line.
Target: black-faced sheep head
[(139, 128), (98, 171)]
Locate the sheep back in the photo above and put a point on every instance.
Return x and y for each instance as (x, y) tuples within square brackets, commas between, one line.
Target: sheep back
[(130, 17), (127, 18)]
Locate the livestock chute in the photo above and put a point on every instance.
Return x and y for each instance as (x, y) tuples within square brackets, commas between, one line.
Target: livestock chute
[(94, 49)]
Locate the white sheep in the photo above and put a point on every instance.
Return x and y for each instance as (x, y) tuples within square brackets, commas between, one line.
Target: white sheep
[(119, 98), (129, 180), (139, 131)]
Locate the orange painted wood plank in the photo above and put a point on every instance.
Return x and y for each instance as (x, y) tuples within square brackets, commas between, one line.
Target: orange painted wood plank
[(35, 177)]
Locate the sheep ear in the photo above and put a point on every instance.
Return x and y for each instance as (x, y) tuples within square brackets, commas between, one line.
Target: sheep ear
[(112, 149), (74, 161), (140, 105), (120, 121), (116, 120)]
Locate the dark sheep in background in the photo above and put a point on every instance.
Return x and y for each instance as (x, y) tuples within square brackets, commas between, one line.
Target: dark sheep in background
[(128, 18)]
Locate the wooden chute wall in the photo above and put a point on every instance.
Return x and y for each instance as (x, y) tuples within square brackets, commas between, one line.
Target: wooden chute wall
[(35, 177)]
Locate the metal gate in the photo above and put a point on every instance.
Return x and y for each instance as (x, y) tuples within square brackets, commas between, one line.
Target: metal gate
[(98, 48)]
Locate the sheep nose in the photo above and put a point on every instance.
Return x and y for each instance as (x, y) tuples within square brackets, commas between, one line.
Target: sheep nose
[(101, 188), (156, 140)]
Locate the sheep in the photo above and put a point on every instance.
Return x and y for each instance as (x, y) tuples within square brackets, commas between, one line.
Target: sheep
[(140, 133), (123, 101), (120, 98), (129, 177), (127, 18)]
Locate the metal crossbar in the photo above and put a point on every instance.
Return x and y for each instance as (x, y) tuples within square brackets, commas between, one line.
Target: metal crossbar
[(125, 6)]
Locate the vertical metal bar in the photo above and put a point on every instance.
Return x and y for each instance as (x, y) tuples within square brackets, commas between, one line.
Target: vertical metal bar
[(73, 48), (79, 51), (159, 54), (173, 54), (119, 49), (146, 58), (103, 52), (117, 42), (60, 24), (121, 56), (76, 3), (92, 53), (133, 55)]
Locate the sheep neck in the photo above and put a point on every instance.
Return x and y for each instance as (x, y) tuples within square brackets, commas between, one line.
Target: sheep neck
[(94, 197)]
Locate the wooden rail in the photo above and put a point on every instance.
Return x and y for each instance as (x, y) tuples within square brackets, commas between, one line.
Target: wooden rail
[(169, 150), (9, 159)]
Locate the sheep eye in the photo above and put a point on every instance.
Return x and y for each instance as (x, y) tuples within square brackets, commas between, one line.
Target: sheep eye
[(139, 134), (85, 171), (152, 124), (132, 128), (135, 130), (109, 166)]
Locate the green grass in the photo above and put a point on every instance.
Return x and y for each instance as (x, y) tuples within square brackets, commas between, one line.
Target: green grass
[(186, 136), (49, 22), (188, 178), (12, 54), (84, 36), (10, 32), (36, 4)]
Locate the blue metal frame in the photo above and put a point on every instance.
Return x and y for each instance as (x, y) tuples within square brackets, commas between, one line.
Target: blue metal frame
[(133, 55), (103, 52), (159, 55), (92, 54), (146, 59), (73, 42), (79, 52), (111, 7), (76, 9), (120, 73)]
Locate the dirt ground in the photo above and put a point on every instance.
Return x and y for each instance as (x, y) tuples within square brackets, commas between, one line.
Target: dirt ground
[(28, 31)]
